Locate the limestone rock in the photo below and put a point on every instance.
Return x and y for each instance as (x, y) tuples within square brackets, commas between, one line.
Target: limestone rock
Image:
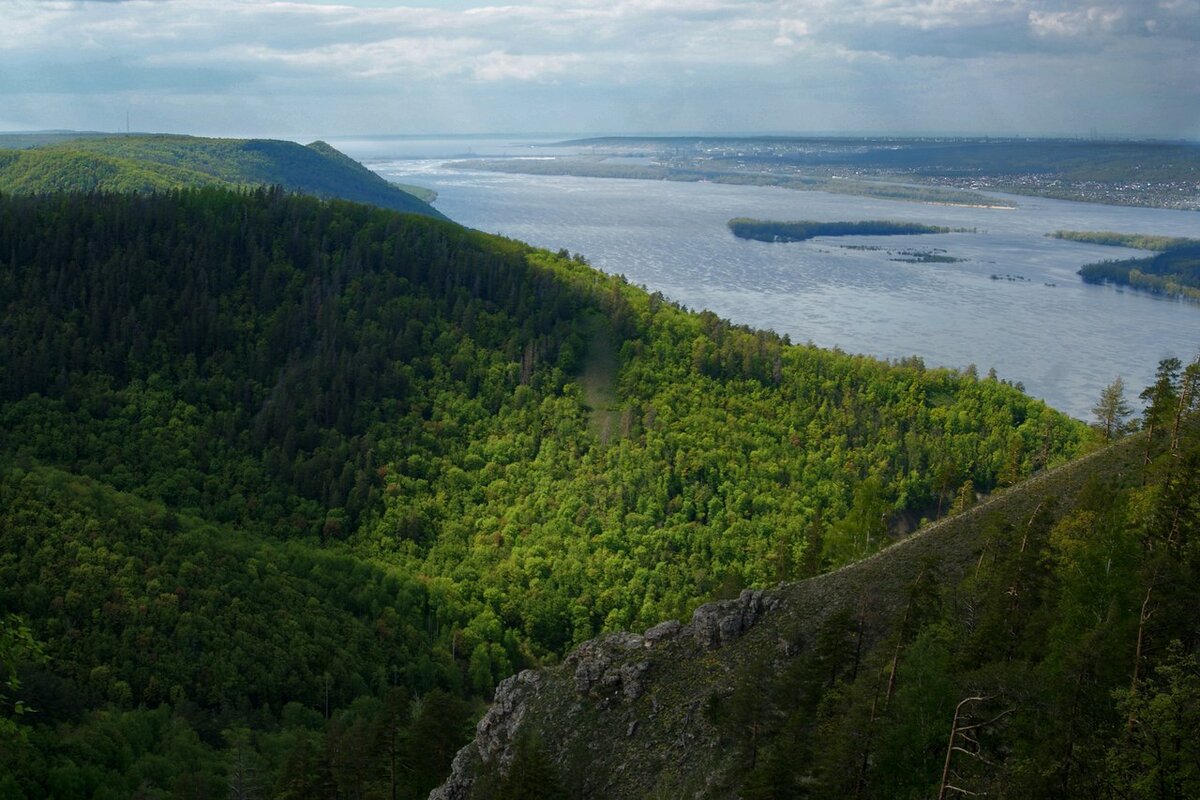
[(494, 735), (662, 631), (600, 672), (633, 679), (717, 624)]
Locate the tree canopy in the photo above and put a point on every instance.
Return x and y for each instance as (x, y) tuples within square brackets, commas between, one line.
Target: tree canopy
[(327, 473)]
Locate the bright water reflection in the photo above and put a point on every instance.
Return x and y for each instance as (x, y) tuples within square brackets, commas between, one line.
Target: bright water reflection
[(1064, 341)]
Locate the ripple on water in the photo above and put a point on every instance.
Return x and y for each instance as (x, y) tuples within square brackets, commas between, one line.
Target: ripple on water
[(1064, 342)]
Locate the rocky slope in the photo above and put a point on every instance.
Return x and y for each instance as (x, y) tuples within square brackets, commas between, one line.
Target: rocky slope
[(630, 716)]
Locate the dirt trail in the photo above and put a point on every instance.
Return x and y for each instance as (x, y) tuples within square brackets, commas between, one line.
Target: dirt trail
[(599, 379)]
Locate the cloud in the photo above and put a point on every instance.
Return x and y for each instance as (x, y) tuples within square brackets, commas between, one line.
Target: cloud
[(756, 60), (1089, 21)]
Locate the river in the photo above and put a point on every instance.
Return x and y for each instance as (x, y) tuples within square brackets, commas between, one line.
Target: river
[(1036, 322)]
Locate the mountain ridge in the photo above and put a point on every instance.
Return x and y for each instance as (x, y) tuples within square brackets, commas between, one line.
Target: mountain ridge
[(161, 162), (637, 715), (405, 394)]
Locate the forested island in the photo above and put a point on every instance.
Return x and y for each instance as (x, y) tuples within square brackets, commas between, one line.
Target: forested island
[(1174, 271), (774, 231), (288, 485)]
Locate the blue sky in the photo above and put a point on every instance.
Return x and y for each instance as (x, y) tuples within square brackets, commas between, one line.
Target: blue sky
[(309, 68)]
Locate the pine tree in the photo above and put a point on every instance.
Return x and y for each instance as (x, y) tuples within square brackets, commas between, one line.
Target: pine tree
[(1113, 410)]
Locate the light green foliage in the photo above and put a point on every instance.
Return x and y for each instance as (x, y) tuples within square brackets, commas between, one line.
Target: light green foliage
[(1135, 240), (160, 163), (1059, 618), (264, 455)]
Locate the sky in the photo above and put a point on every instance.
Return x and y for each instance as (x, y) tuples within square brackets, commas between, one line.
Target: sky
[(1126, 68)]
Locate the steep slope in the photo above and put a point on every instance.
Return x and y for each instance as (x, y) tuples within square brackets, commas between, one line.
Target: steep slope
[(162, 162), (847, 684), (400, 393)]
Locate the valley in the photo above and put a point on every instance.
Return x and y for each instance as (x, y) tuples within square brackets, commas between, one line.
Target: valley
[(295, 490)]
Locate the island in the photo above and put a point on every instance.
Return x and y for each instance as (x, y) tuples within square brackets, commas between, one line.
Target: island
[(1173, 271), (775, 231)]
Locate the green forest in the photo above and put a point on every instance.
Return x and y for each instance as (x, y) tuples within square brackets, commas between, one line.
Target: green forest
[(775, 231), (1042, 644), (1174, 270), (289, 485), (148, 163), (1058, 660)]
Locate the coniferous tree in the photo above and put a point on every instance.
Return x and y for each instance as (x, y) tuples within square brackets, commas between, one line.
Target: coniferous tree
[(1113, 410)]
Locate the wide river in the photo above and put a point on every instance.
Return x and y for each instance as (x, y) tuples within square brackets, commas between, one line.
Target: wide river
[(1063, 339)]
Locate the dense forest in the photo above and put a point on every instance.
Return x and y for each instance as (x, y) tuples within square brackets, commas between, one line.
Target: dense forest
[(1174, 273), (774, 231), (288, 485), (1043, 644), (147, 163), (1060, 662)]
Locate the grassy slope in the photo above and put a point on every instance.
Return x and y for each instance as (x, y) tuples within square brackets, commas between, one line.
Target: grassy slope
[(662, 745), (160, 162)]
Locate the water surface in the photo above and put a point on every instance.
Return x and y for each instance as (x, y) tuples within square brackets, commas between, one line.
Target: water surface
[(1063, 339)]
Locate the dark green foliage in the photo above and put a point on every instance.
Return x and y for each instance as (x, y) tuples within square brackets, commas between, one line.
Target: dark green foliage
[(1159, 754), (772, 231), (1076, 636), (532, 775), (269, 461), (1174, 272)]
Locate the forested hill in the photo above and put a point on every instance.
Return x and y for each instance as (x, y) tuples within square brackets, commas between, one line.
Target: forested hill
[(287, 486), (1044, 644), (145, 162)]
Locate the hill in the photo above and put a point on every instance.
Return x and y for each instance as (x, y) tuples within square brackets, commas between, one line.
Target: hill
[(290, 485), (144, 163), (1041, 644)]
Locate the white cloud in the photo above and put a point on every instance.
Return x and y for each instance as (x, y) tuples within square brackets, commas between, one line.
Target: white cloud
[(500, 66), (1083, 22), (658, 54)]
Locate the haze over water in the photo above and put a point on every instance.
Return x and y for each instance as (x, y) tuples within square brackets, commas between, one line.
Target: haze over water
[(1064, 341)]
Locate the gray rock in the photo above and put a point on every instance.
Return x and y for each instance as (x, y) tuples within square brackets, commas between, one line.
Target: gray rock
[(719, 623), (600, 672), (633, 679), (497, 730), (494, 735), (661, 631)]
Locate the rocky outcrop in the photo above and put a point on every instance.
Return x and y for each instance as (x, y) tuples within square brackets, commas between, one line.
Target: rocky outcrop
[(718, 624), (495, 734), (629, 716), (608, 673), (601, 672), (662, 632)]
